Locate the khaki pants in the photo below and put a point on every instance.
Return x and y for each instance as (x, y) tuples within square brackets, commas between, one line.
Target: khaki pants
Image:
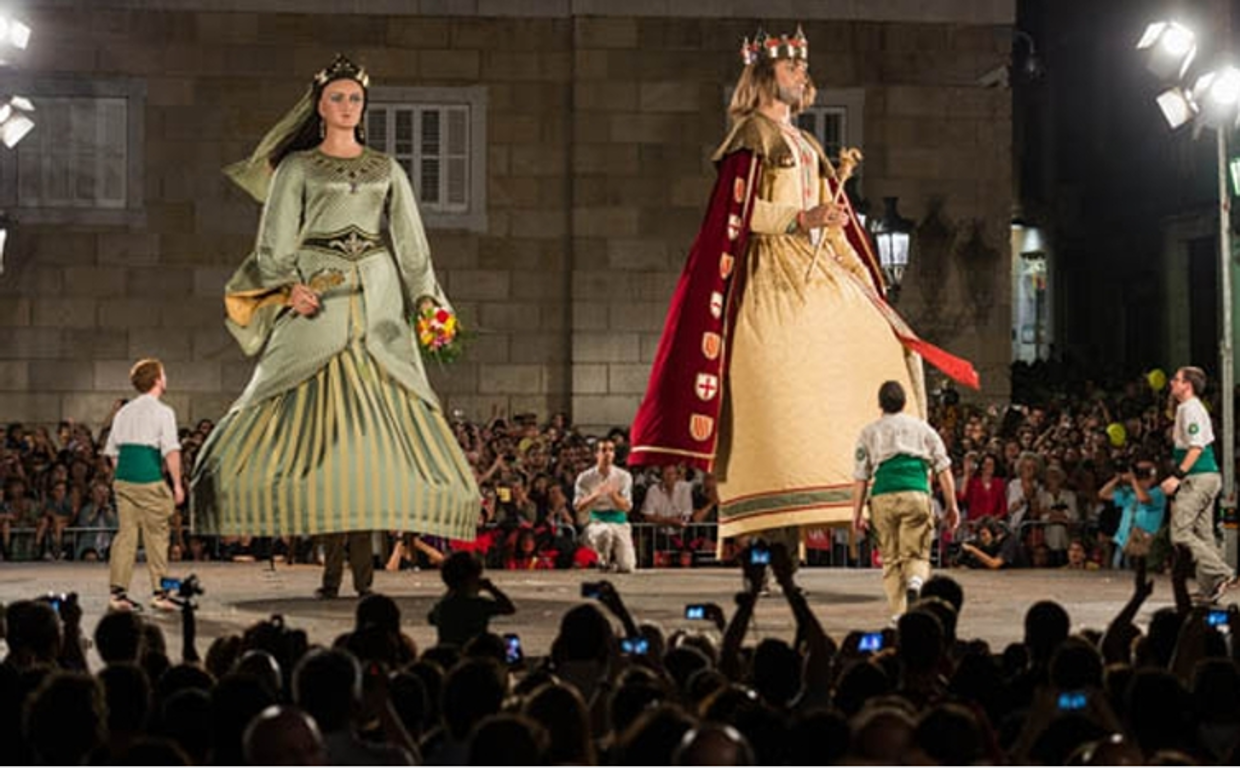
[(613, 542), (361, 560), (1192, 524), (904, 525), (143, 509)]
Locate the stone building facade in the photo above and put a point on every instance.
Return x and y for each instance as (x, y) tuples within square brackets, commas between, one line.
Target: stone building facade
[(588, 156)]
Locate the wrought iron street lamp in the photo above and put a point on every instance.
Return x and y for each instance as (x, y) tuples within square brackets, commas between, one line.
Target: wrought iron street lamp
[(892, 234)]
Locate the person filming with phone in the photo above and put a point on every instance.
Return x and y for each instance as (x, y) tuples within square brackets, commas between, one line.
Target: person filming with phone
[(897, 453), (464, 612), (606, 492)]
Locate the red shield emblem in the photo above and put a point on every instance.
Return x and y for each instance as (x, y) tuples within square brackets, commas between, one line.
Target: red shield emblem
[(725, 265), (701, 426), (738, 191), (734, 226), (711, 344), (706, 386), (716, 305)]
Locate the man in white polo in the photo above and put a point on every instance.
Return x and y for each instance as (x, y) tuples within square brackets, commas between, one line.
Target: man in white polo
[(1195, 481), (606, 492), (898, 452), (143, 439)]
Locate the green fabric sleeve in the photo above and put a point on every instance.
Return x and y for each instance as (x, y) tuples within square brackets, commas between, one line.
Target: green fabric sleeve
[(279, 228), (409, 241)]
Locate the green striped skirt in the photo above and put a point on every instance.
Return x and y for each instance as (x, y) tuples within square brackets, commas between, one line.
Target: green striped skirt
[(347, 450)]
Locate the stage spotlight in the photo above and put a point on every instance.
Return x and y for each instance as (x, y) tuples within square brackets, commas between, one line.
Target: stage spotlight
[(1170, 46), (1177, 106), (1217, 94), (15, 120), (14, 33)]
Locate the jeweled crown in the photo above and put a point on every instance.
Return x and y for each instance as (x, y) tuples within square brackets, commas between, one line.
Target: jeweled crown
[(342, 69), (772, 48)]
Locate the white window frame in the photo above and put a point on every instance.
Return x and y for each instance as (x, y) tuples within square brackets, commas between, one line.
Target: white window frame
[(847, 105), (471, 103), (127, 212)]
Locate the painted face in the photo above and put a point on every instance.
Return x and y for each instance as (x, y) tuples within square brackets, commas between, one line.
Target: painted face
[(342, 103), (790, 79)]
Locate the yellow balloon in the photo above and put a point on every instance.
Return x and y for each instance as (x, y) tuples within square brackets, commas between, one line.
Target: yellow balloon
[(1157, 379), (1117, 434)]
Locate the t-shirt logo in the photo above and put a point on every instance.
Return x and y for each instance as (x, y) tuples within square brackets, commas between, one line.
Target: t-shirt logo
[(860, 454), (1194, 429)]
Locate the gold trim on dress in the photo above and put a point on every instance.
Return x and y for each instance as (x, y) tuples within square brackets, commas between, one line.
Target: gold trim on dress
[(670, 451)]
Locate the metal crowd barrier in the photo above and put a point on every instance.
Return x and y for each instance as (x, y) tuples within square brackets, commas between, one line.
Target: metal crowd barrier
[(22, 540)]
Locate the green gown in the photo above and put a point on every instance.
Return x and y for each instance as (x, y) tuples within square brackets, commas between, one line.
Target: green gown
[(338, 429)]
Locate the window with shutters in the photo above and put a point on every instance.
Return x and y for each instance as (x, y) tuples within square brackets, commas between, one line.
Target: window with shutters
[(77, 157), (438, 135), (82, 162)]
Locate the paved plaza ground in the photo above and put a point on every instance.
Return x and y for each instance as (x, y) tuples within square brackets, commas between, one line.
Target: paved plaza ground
[(238, 594)]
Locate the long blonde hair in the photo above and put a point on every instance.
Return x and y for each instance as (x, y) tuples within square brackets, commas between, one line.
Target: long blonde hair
[(757, 85)]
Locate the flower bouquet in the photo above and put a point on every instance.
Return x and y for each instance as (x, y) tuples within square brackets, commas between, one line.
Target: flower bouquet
[(438, 333)]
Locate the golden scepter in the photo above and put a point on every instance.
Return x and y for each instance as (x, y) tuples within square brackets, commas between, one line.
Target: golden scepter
[(849, 158)]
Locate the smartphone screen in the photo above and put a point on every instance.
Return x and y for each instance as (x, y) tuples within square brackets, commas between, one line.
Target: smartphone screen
[(635, 646), (169, 584), (590, 589), (760, 556), (870, 642), (695, 612), (1072, 700), (512, 649)]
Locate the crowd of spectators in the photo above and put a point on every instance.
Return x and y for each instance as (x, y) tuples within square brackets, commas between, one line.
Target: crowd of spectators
[(1062, 478), (1048, 481), (526, 473), (617, 690)]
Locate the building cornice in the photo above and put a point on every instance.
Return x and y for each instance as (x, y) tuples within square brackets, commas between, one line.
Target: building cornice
[(918, 11)]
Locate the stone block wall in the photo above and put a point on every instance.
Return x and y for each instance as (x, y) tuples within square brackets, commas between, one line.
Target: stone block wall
[(599, 128)]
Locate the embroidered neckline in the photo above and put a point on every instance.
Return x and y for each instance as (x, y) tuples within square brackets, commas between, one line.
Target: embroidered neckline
[(337, 158)]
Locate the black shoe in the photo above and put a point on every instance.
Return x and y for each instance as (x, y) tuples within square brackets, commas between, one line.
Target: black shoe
[(323, 593)]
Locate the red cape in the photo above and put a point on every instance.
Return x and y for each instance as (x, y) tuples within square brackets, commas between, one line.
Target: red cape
[(678, 420)]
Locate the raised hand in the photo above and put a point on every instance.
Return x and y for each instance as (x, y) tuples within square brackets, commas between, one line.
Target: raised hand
[(1143, 586), (781, 565)]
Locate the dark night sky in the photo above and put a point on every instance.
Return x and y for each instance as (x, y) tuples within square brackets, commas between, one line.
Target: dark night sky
[(1101, 169)]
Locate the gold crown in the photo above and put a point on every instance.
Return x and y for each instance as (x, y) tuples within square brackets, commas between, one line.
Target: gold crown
[(772, 48), (341, 69)]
